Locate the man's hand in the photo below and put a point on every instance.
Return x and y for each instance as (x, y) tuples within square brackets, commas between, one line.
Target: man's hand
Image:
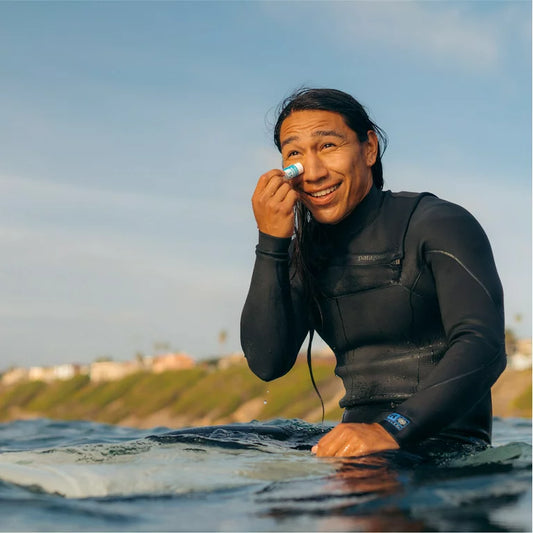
[(353, 440), (273, 202)]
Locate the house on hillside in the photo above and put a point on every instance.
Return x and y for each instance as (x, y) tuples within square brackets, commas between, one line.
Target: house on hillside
[(521, 358), (42, 373), (113, 370), (171, 361), (14, 375), (52, 373), (230, 360), (67, 371)]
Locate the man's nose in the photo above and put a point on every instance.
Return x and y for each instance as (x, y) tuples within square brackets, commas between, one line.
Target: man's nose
[(314, 168)]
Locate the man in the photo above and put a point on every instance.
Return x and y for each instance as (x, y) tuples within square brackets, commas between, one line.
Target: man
[(401, 286)]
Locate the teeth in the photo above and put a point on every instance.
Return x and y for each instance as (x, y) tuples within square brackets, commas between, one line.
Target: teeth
[(323, 193)]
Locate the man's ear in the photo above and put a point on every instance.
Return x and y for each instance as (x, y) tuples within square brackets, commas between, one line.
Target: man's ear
[(371, 148)]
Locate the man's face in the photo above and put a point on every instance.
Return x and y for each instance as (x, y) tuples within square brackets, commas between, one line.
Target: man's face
[(337, 167)]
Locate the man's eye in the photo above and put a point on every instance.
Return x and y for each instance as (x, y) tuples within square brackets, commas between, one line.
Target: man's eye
[(292, 154), (328, 145)]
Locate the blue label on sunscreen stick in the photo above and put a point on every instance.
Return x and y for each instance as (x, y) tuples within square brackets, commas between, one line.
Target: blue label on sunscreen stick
[(293, 170)]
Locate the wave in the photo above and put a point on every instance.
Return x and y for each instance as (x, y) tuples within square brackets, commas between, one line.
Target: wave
[(211, 458), (178, 462)]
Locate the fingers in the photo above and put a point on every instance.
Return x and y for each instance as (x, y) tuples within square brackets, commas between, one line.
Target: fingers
[(273, 202), (275, 192), (273, 185), (354, 440), (339, 442)]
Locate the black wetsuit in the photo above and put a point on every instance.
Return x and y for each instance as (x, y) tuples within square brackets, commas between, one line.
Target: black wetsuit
[(411, 304)]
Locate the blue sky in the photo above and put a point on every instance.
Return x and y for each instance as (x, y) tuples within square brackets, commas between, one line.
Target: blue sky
[(132, 135)]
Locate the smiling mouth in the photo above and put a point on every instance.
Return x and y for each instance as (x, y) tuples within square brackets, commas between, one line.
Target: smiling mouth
[(323, 192)]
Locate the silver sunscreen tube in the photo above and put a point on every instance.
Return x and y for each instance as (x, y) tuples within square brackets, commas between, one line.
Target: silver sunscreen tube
[(293, 170)]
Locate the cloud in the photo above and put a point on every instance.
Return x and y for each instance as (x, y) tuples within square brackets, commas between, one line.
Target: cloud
[(50, 224), (88, 271), (82, 294), (451, 33), (428, 29)]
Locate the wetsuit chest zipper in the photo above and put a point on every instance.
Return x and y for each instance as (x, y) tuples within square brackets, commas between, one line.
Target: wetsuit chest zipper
[(359, 272)]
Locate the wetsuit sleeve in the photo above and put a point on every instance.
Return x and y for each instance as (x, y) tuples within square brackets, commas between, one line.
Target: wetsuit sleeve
[(274, 323), (456, 251)]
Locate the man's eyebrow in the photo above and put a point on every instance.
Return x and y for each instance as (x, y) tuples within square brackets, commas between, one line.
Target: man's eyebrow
[(289, 140), (317, 133), (328, 133)]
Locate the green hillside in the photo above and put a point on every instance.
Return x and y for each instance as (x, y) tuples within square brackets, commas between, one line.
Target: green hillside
[(201, 395), (208, 395)]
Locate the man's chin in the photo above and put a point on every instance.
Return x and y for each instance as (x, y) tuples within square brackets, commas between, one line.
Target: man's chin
[(325, 217)]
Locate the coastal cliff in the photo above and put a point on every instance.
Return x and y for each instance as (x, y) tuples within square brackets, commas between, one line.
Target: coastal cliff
[(205, 395)]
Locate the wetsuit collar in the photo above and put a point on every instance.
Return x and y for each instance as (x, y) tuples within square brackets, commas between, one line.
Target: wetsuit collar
[(362, 215)]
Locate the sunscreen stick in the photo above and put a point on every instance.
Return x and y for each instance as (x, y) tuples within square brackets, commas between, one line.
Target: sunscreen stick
[(293, 170)]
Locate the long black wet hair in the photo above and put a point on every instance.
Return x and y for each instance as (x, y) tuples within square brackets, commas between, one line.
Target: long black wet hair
[(354, 114), (356, 118), (307, 230)]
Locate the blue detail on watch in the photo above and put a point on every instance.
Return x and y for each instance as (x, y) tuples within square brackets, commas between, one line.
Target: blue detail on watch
[(398, 421)]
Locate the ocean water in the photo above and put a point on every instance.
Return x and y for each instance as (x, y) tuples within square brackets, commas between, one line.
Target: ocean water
[(82, 476)]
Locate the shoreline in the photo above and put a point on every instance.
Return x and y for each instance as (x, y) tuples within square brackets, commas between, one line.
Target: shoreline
[(192, 398)]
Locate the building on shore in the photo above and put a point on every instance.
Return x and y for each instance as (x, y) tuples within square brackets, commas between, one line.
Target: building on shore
[(230, 360), (113, 370), (521, 358), (15, 375), (101, 371), (171, 361)]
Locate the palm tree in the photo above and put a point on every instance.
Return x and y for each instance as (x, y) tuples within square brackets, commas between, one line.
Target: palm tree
[(222, 338)]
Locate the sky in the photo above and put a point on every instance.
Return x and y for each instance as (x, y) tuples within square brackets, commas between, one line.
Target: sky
[(132, 135)]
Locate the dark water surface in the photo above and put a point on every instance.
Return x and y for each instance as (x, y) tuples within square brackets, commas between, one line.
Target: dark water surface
[(81, 476)]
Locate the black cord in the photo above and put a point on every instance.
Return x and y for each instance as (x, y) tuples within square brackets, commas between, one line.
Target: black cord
[(311, 333)]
